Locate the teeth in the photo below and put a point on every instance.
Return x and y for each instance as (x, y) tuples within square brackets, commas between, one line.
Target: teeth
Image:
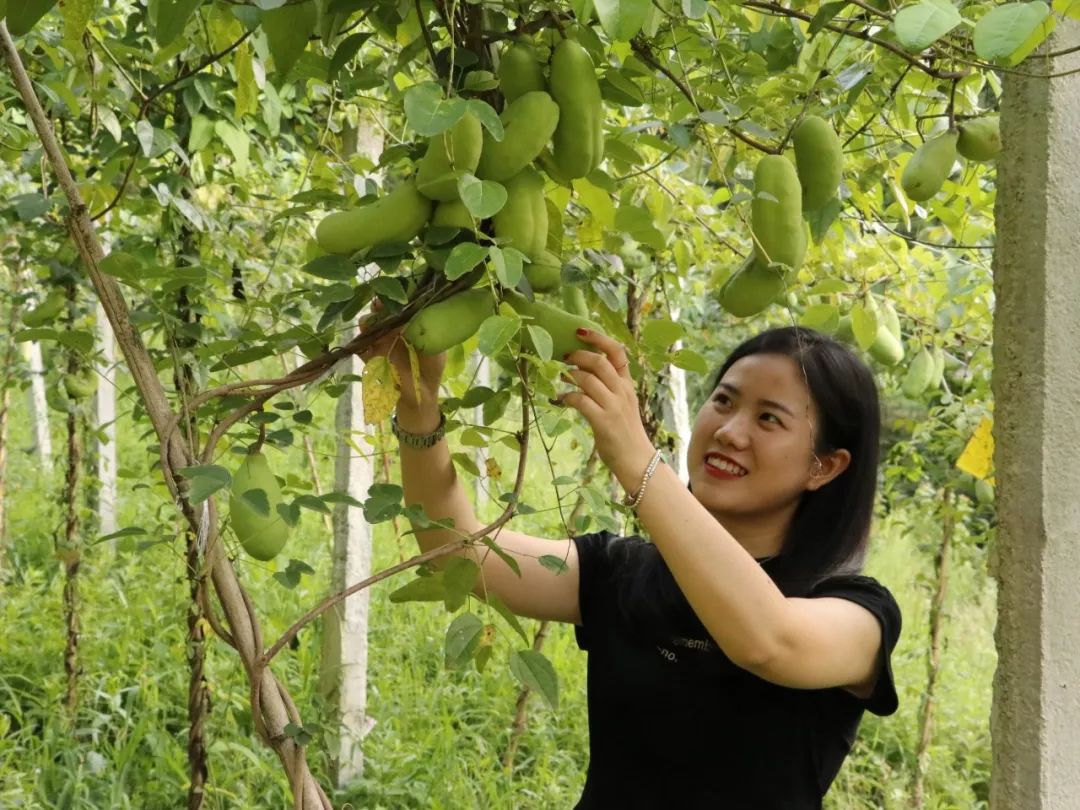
[(726, 466)]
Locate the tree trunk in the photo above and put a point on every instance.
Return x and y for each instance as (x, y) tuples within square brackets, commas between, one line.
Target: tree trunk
[(105, 402), (39, 407), (933, 656), (68, 549), (7, 375), (677, 411), (343, 674)]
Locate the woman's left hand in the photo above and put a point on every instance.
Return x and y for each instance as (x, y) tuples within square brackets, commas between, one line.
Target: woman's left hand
[(608, 401)]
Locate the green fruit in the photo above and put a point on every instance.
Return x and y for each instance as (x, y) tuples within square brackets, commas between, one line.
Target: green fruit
[(261, 535), (919, 375), (886, 348), (561, 325), (449, 155), (519, 71), (980, 138), (891, 320), (397, 217), (544, 273), (928, 168), (47, 311), (524, 218), (440, 326), (633, 257), (939, 368), (529, 122), (751, 288), (453, 214), (547, 163), (574, 300), (819, 160), (984, 491), (80, 386), (776, 214), (578, 144)]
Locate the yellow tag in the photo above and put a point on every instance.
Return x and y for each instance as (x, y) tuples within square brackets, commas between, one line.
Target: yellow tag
[(978, 455), (378, 391)]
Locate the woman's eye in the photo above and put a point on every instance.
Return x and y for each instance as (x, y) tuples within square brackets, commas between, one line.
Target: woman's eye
[(722, 399), (771, 416)]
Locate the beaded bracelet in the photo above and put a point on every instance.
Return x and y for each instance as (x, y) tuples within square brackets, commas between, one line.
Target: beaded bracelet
[(418, 441), (633, 500)]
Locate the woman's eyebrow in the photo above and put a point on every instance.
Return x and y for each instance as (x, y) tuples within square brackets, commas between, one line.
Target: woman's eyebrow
[(768, 403)]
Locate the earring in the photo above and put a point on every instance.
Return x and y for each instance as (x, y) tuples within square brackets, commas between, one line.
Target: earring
[(817, 468)]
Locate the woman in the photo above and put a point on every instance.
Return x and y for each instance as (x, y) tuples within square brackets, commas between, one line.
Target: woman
[(731, 659)]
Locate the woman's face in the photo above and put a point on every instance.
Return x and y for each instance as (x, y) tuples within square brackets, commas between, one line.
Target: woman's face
[(752, 448)]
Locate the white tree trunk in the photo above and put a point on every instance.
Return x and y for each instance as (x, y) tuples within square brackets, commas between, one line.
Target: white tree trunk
[(483, 377), (344, 662), (343, 676), (39, 408), (105, 401), (678, 410)]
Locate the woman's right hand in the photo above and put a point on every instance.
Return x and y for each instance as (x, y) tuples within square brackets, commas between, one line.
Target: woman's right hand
[(392, 346)]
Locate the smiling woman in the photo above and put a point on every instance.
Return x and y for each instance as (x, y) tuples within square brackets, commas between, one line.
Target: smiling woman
[(732, 654)]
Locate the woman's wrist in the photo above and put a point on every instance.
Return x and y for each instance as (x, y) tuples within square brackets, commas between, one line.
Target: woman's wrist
[(422, 417)]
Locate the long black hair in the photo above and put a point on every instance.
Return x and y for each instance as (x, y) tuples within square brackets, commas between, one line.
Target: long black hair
[(829, 532)]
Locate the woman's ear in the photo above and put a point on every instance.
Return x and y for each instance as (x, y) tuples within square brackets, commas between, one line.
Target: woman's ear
[(825, 468)]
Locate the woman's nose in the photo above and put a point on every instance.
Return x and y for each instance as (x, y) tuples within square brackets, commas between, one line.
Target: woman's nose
[(733, 433)]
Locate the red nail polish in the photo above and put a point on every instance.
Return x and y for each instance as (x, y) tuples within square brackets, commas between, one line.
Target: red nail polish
[(582, 331)]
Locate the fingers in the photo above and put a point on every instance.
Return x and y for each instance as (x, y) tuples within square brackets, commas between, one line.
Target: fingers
[(590, 384), (612, 365)]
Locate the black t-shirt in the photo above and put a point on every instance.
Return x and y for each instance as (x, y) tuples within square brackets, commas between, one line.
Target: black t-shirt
[(676, 725)]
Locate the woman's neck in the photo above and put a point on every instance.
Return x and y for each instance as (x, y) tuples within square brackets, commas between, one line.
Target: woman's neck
[(761, 535)]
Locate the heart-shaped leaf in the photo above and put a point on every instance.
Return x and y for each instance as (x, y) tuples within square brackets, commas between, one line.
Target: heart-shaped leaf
[(921, 25)]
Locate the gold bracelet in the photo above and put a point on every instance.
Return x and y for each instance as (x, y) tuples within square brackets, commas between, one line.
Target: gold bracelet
[(634, 500)]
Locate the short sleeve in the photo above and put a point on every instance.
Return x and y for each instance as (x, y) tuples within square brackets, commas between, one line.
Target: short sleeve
[(594, 581), (876, 598)]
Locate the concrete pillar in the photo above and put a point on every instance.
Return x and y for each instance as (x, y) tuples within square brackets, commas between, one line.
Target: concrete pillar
[(39, 407), (1036, 712), (677, 410)]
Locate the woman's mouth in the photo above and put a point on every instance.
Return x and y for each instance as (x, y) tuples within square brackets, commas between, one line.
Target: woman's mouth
[(720, 467)]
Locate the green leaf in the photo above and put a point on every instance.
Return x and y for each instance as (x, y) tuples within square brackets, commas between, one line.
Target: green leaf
[(554, 564), (463, 258), (202, 132), (486, 115), (459, 575), (825, 15), (257, 500), (332, 268), (508, 265), (541, 341), (483, 198), (477, 81), (462, 639), (237, 141), (37, 333), (171, 19), (391, 289), (287, 32), (205, 480), (921, 25), (619, 88), (349, 47), (428, 112), (695, 9), (421, 589), (144, 133), (597, 201), (122, 266), (690, 361), (30, 206), (511, 563), (660, 333), (864, 323), (622, 19), (496, 332), (130, 531), (312, 502), (1003, 29), (79, 340), (533, 670), (512, 620), (823, 317)]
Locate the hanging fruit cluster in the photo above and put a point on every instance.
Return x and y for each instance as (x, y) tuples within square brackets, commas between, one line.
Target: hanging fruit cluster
[(552, 124), (977, 139)]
